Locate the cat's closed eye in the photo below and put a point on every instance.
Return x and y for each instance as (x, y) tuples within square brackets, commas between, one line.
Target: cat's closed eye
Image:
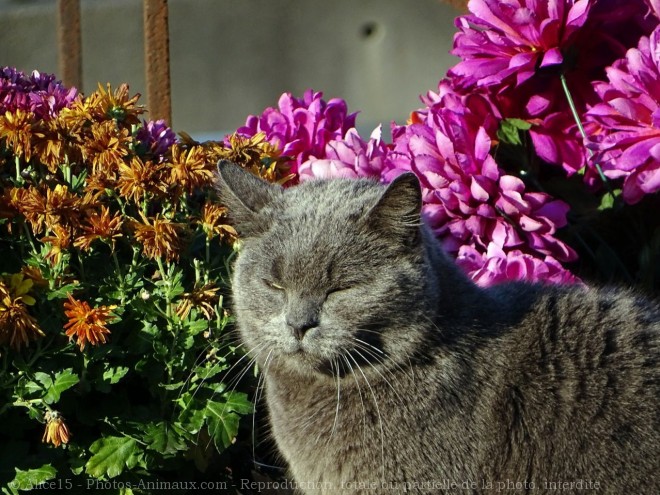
[(272, 285), (337, 290)]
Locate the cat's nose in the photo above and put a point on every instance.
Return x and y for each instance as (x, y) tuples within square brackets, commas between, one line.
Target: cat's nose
[(299, 327)]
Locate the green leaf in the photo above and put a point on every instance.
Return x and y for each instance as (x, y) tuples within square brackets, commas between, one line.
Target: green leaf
[(64, 380), (40, 385), (28, 480), (509, 131), (197, 326), (114, 374), (164, 438), (62, 292), (238, 402), (112, 455), (608, 200), (222, 424)]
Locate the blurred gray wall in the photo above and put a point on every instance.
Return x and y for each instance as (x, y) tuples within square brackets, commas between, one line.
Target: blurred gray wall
[(230, 58)]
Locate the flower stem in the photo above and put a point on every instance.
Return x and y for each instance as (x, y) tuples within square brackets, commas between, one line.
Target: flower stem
[(120, 276), (576, 117)]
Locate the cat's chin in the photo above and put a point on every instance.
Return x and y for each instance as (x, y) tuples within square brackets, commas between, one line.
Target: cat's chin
[(300, 361)]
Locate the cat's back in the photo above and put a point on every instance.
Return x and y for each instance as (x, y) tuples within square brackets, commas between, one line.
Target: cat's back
[(576, 382)]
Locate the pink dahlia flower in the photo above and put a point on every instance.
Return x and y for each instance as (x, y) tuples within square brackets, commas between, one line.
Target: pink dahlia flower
[(654, 7), (505, 43), (629, 116), (496, 266), (467, 197), (301, 127), (348, 157)]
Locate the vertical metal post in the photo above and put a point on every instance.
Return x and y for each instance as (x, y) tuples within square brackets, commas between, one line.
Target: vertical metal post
[(157, 59), (69, 41)]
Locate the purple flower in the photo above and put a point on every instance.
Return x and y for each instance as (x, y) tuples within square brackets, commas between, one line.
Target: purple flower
[(505, 43), (629, 116), (496, 266), (39, 93), (301, 128), (348, 157), (155, 138)]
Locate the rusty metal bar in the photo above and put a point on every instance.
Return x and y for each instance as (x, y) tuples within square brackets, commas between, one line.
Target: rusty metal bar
[(69, 41), (157, 59)]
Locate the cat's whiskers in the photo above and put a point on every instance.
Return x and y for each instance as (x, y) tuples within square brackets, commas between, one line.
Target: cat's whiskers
[(359, 348), (380, 419), (359, 389), (236, 380), (207, 357), (261, 384), (334, 364)]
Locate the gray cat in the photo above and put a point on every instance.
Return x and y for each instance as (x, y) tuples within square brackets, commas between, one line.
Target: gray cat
[(388, 371)]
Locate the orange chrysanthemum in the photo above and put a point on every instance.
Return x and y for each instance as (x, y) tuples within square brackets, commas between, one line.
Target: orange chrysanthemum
[(58, 206), (203, 298), (99, 225), (258, 156), (17, 128), (32, 204), (59, 241), (54, 145), (160, 238), (190, 168), (17, 326), (213, 223), (85, 323), (138, 179), (8, 209), (107, 146), (57, 432)]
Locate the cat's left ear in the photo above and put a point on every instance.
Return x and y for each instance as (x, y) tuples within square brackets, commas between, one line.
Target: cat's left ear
[(399, 208), (245, 195)]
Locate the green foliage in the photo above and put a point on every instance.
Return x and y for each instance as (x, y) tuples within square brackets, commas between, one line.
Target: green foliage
[(114, 344)]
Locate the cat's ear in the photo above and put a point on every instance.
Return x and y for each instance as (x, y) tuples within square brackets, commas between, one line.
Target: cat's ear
[(245, 195), (399, 208)]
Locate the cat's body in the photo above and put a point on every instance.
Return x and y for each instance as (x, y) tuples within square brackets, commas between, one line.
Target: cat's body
[(387, 371)]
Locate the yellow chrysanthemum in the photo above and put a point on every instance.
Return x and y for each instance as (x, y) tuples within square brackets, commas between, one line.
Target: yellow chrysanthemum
[(105, 103), (17, 128), (17, 326)]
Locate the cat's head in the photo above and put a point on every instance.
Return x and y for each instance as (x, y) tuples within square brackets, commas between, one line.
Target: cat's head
[(330, 272)]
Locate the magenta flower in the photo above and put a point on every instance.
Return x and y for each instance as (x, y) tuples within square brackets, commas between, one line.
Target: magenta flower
[(468, 200), (654, 7), (629, 116), (496, 266), (39, 93), (155, 138), (504, 43), (348, 157), (301, 128)]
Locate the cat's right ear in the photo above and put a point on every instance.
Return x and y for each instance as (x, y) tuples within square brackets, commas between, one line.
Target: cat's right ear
[(244, 195)]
